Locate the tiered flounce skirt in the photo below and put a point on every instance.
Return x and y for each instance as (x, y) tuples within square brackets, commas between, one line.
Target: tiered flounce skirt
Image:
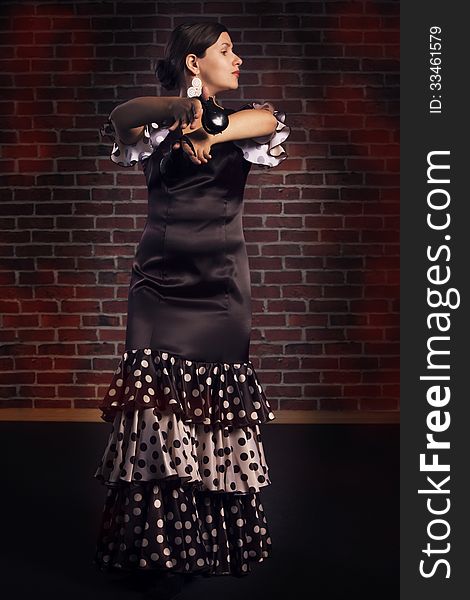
[(183, 466)]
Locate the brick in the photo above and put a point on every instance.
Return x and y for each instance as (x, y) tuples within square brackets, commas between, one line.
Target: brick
[(322, 230)]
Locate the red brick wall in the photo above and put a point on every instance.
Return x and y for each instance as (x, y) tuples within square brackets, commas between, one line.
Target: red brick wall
[(322, 228)]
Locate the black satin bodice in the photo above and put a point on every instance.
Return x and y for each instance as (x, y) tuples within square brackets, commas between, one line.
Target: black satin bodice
[(190, 292)]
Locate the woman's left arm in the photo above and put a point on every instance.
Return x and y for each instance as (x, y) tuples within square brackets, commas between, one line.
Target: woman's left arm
[(246, 124), (242, 125)]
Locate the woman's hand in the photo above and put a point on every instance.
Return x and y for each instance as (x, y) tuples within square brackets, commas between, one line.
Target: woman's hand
[(186, 112), (202, 142)]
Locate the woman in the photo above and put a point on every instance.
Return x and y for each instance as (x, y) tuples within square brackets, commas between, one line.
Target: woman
[(184, 463)]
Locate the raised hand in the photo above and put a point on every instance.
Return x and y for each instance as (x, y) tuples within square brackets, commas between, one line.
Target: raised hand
[(187, 112), (199, 146)]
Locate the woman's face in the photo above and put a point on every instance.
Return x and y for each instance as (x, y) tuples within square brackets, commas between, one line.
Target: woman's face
[(216, 69)]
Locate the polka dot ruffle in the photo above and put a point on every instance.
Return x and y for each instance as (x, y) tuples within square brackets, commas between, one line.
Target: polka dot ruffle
[(175, 527), (266, 150), (127, 155), (202, 392), (146, 445)]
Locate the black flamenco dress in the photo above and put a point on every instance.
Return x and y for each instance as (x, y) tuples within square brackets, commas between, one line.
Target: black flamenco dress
[(184, 462)]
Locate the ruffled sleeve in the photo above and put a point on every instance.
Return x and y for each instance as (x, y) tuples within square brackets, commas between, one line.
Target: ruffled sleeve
[(267, 149), (127, 155)]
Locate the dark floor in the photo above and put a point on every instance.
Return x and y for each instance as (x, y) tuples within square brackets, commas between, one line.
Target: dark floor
[(332, 509)]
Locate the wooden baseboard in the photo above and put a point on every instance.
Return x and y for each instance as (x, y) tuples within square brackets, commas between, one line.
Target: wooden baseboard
[(283, 417)]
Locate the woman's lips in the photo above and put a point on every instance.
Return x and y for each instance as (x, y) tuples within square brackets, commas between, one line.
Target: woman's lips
[(237, 74)]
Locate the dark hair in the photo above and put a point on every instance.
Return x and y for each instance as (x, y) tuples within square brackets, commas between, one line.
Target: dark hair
[(187, 38)]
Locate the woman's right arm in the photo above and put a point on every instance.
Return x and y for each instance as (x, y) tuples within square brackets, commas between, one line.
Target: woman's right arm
[(130, 118)]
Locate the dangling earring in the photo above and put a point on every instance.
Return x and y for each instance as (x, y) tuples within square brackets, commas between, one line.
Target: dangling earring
[(196, 87)]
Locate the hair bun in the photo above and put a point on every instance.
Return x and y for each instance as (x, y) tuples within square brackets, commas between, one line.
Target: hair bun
[(166, 74)]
